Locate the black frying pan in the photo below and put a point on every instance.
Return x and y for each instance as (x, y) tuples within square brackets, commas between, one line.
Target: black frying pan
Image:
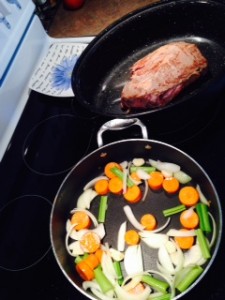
[(103, 68), (93, 165)]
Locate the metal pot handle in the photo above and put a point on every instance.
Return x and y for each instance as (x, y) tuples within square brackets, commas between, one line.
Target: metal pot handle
[(120, 124)]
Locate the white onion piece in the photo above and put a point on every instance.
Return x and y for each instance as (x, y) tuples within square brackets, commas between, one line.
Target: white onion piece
[(184, 233), (165, 260), (67, 238), (138, 162), (179, 258), (145, 191), (100, 295), (182, 177), (124, 164), (124, 295), (166, 166), (132, 282), (193, 256), (213, 239), (132, 219), (92, 182), (93, 218), (108, 268), (170, 247), (75, 249), (159, 228), (121, 235), (133, 262), (90, 284), (154, 240), (142, 174), (84, 200), (202, 196), (167, 174), (116, 255)]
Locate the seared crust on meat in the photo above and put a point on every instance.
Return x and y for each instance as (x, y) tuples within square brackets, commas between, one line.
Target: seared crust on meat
[(162, 74)]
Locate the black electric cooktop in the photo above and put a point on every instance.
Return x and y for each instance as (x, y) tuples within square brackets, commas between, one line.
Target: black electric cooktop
[(52, 135)]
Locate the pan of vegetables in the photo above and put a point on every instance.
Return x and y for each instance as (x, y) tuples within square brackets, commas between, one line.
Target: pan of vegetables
[(135, 219)]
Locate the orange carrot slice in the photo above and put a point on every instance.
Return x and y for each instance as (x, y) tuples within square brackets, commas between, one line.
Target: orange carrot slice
[(90, 242), (171, 185), (188, 196), (148, 221), (82, 220), (102, 186), (84, 271), (115, 185), (156, 180), (184, 242), (189, 219), (133, 194), (132, 237), (109, 166)]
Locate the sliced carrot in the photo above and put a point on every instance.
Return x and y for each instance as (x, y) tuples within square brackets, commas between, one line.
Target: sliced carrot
[(115, 185), (132, 237), (82, 220), (85, 272), (90, 242), (133, 194), (148, 221), (171, 185), (102, 186), (109, 166), (189, 219), (98, 253), (92, 261), (188, 196), (135, 177), (184, 242), (156, 180)]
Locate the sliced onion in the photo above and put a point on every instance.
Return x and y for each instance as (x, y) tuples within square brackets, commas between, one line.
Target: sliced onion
[(202, 196), (67, 238), (132, 219), (154, 240), (138, 162), (73, 233), (84, 201), (75, 249), (100, 295), (121, 234), (165, 260), (133, 261), (176, 232), (108, 268), (90, 284), (93, 218), (167, 174), (122, 294), (100, 230), (182, 177), (131, 281), (166, 166), (142, 174), (92, 182), (214, 231), (116, 255), (193, 256)]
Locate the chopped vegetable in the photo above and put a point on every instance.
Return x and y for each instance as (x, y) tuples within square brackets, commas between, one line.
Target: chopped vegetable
[(202, 210), (147, 169), (129, 213), (171, 185), (102, 280), (119, 272), (173, 210), (117, 172), (189, 278), (165, 166), (133, 261), (90, 242), (148, 221), (202, 196), (188, 196), (155, 181), (84, 271), (116, 185), (189, 219), (133, 194), (184, 242), (182, 177), (132, 237), (108, 169), (120, 238), (203, 243), (138, 162), (82, 220), (102, 186), (102, 209), (155, 283), (154, 240), (85, 198)]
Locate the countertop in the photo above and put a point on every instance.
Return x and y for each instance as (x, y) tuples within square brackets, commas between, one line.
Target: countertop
[(92, 17)]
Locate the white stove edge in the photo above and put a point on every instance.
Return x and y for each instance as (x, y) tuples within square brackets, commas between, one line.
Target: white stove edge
[(14, 91)]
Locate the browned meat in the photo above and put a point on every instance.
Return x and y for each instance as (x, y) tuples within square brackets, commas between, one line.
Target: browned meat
[(162, 74)]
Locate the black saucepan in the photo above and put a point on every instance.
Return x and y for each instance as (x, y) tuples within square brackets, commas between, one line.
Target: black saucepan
[(93, 164), (103, 68)]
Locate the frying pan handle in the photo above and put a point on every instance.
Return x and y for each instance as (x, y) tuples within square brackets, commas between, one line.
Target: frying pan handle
[(120, 124)]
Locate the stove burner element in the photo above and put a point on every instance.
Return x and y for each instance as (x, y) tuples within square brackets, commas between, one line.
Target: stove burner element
[(51, 147), (24, 232)]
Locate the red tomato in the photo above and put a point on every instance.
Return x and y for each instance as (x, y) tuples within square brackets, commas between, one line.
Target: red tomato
[(73, 4)]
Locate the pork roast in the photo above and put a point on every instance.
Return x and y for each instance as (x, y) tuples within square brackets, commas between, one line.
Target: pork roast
[(162, 74)]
